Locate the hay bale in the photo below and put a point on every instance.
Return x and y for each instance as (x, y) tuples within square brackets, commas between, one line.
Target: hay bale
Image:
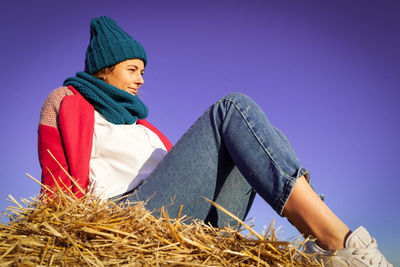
[(65, 231)]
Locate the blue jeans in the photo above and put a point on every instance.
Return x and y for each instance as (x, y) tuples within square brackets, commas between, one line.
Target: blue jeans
[(229, 153)]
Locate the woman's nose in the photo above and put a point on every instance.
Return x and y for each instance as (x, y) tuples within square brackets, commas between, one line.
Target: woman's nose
[(139, 79)]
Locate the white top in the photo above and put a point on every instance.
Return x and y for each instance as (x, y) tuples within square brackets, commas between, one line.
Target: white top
[(122, 156)]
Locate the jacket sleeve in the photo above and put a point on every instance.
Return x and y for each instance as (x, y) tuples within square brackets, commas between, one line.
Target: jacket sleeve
[(76, 124), (49, 139)]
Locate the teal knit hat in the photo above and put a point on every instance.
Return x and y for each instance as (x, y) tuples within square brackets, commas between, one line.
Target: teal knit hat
[(109, 45)]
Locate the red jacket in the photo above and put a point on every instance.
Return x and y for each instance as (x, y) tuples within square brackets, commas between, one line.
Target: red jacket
[(71, 141)]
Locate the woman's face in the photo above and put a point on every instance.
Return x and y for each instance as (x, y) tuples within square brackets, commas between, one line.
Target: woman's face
[(127, 75)]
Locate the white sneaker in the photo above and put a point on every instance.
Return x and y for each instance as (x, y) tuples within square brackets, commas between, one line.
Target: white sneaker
[(361, 250)]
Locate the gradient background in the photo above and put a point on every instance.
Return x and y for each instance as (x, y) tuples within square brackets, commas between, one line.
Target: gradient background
[(326, 73)]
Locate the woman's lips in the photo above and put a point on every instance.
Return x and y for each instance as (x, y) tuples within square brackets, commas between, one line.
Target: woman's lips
[(133, 91)]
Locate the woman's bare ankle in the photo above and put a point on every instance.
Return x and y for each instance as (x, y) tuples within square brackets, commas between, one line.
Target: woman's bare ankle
[(329, 245), (333, 243)]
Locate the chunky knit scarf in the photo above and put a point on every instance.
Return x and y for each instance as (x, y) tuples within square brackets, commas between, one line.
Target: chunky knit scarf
[(116, 105)]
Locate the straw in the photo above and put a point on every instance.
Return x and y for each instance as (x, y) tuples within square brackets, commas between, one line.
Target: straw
[(64, 231)]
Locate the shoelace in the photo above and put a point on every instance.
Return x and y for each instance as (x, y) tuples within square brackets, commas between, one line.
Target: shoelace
[(371, 253)]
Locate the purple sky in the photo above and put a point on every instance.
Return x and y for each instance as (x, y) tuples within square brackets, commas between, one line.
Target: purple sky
[(327, 73)]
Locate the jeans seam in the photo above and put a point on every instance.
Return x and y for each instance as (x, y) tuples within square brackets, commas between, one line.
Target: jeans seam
[(233, 101), (155, 171)]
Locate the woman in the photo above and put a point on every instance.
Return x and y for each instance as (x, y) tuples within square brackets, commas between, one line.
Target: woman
[(95, 126)]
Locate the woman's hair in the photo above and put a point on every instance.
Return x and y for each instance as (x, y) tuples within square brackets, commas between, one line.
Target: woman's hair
[(101, 74)]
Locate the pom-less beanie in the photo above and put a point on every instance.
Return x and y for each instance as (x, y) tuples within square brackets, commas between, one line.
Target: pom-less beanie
[(109, 45)]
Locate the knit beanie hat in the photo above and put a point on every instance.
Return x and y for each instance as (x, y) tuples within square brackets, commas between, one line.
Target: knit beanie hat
[(109, 45)]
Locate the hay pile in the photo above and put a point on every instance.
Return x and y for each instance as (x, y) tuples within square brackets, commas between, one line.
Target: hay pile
[(64, 231)]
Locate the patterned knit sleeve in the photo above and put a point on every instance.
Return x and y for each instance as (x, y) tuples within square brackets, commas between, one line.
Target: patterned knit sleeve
[(51, 106)]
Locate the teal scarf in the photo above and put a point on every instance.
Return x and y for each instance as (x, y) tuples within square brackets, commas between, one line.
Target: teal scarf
[(116, 105)]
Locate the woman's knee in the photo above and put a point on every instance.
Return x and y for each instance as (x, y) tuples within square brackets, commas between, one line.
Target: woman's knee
[(238, 98)]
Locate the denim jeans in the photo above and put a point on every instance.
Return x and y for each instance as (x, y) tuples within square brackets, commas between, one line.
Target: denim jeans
[(229, 153)]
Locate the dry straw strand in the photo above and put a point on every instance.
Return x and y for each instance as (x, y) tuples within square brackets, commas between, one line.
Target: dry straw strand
[(66, 231)]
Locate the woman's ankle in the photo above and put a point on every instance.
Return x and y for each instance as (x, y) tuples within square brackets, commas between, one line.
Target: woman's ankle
[(333, 243)]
